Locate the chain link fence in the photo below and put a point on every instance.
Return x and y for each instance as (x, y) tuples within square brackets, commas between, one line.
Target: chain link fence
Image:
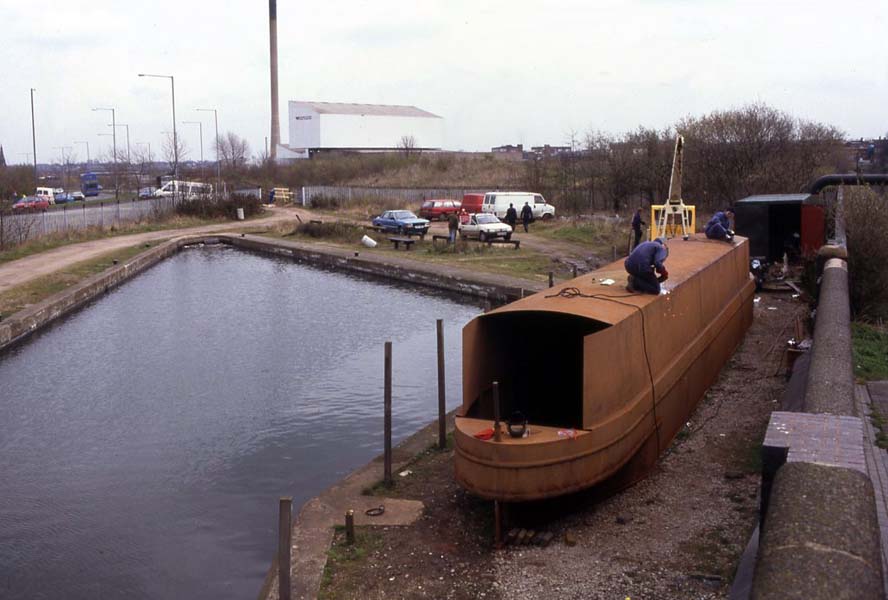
[(344, 196), (19, 227)]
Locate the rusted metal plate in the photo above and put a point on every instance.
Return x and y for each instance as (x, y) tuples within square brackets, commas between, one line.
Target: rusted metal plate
[(617, 374)]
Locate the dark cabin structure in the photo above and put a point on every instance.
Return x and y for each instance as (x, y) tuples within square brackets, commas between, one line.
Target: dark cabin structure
[(781, 223)]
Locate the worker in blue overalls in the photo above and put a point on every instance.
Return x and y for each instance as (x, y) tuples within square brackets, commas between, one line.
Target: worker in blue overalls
[(719, 226), (646, 260)]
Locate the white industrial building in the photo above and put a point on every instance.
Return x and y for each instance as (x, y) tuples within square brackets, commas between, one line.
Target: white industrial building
[(319, 126)]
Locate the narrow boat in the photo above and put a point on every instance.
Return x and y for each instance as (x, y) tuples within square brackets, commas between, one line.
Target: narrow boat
[(604, 378)]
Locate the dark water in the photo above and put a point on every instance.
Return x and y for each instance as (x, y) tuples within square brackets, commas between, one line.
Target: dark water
[(144, 441)]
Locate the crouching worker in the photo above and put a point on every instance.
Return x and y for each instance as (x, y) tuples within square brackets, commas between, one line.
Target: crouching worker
[(646, 260), (719, 226)]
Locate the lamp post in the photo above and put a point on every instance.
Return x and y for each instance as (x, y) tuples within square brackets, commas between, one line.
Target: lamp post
[(127, 139), (200, 126), (114, 147), (175, 140), (87, 152), (218, 159), (34, 136)]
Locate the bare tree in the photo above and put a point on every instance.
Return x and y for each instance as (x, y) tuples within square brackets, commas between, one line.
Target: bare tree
[(234, 151), (407, 145), (169, 150)]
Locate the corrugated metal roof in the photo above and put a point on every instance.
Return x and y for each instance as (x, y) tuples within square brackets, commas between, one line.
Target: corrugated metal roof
[(775, 199), (376, 110)]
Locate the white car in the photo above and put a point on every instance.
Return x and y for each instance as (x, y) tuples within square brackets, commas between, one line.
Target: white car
[(485, 226)]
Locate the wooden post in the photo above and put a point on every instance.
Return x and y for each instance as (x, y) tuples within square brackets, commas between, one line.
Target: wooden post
[(551, 279), (497, 525), (442, 409), (615, 253), (285, 542), (387, 477), (496, 413), (574, 269), (350, 527)]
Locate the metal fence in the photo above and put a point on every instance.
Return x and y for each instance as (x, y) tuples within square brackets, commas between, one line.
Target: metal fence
[(17, 228), (398, 196)]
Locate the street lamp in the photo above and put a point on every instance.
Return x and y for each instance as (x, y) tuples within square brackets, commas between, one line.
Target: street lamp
[(200, 125), (218, 159), (87, 152), (175, 140), (114, 147), (127, 139), (34, 137)]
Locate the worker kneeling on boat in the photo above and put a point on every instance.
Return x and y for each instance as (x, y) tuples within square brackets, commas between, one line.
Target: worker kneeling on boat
[(646, 260), (719, 226)]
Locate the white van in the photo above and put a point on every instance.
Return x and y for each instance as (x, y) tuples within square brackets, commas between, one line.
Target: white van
[(189, 190), (498, 203), (47, 193)]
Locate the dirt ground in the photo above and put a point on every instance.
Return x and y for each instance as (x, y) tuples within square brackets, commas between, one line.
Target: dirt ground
[(679, 533)]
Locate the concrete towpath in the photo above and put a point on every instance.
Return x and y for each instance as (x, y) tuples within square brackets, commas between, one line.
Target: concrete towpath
[(23, 270), (873, 397)]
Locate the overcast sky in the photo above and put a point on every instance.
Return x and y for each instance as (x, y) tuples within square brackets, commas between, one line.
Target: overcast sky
[(499, 72)]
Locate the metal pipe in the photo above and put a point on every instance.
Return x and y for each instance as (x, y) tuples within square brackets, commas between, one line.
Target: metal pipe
[(846, 179), (497, 436)]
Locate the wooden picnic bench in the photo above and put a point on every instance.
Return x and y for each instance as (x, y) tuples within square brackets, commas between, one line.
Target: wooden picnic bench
[(516, 243), (397, 241), (435, 238)]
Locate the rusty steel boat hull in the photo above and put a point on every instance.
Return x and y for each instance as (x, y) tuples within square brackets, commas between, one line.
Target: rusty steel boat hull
[(604, 377)]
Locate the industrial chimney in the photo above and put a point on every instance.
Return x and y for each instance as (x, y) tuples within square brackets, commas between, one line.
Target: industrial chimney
[(273, 41)]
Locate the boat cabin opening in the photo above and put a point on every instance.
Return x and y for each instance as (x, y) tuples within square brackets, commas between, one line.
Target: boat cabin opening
[(537, 359)]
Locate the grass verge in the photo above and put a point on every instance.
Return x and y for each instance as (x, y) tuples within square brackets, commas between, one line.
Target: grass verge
[(41, 288), (870, 347), (600, 236), (471, 255)]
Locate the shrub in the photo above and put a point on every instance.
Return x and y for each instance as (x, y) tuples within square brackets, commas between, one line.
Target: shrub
[(215, 207), (866, 221), (324, 202)]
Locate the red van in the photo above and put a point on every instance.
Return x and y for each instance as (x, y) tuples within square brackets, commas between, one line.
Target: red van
[(472, 202)]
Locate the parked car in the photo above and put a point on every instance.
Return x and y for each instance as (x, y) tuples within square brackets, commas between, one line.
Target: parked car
[(485, 226), (439, 209), (63, 197), (78, 196), (401, 221), (498, 203), (31, 203), (147, 192)]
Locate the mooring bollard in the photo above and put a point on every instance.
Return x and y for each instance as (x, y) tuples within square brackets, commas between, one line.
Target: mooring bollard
[(442, 409), (496, 413), (387, 477), (285, 542), (350, 527), (551, 279)]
